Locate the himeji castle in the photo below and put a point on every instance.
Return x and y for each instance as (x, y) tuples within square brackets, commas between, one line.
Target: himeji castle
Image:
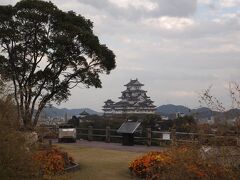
[(134, 100)]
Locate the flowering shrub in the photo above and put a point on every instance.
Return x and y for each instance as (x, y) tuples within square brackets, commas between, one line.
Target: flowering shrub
[(53, 161), (179, 163), (145, 165)]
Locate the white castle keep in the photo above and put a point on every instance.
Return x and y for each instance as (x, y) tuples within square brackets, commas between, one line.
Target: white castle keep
[(133, 101)]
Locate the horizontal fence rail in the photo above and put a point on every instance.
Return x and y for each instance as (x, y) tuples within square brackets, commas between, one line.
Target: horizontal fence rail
[(154, 137)]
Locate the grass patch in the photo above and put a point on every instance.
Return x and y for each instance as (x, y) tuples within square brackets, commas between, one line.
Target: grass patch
[(99, 163)]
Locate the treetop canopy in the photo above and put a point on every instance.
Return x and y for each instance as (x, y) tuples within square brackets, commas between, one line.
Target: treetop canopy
[(45, 52)]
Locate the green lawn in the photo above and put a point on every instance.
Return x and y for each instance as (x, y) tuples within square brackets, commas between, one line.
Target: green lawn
[(99, 163)]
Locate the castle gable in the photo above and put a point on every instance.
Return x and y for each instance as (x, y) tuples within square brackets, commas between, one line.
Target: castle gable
[(133, 100)]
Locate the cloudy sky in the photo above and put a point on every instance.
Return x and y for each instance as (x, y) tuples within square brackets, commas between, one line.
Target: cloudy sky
[(175, 47)]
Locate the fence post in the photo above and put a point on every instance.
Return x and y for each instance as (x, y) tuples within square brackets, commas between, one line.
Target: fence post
[(108, 134), (192, 136), (50, 142), (149, 137), (173, 136), (90, 133)]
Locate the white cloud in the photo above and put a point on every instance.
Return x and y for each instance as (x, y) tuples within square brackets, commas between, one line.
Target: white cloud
[(138, 9), (229, 3), (205, 1), (221, 3), (228, 16), (169, 23), (182, 94), (138, 4)]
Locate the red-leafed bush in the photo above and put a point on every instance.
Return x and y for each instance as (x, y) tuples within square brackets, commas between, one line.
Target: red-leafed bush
[(53, 161), (180, 163)]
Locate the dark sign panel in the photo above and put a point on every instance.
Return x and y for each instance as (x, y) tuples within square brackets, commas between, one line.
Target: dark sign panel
[(128, 127)]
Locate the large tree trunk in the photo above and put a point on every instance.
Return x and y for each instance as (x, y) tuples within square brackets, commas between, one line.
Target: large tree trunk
[(25, 114), (27, 121)]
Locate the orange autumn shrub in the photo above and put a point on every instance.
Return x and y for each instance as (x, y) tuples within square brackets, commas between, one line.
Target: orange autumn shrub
[(52, 161), (145, 165), (179, 163)]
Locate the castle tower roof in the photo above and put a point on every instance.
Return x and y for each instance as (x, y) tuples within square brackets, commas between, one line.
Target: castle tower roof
[(109, 101), (133, 100), (134, 82)]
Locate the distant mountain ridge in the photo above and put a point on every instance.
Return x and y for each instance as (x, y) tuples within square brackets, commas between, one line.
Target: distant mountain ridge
[(164, 110), (202, 112), (61, 112), (170, 109)]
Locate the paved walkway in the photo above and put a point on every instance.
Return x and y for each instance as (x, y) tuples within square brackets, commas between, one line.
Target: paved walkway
[(117, 146)]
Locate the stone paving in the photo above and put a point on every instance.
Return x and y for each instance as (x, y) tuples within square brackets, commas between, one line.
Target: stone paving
[(117, 146)]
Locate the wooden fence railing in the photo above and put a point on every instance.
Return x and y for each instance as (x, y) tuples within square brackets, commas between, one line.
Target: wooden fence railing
[(155, 137)]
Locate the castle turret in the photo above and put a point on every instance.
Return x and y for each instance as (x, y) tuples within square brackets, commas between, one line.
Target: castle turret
[(133, 100)]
